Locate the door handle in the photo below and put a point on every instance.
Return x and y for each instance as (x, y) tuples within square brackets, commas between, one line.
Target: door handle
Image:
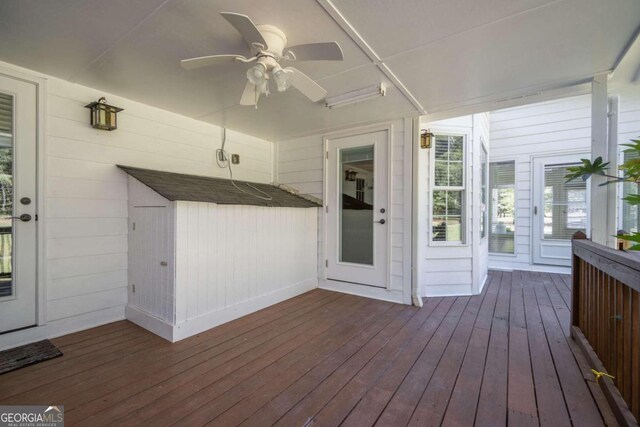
[(23, 217), (382, 221)]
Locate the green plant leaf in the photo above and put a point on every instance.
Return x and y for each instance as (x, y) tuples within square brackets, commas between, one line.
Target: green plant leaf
[(588, 168), (632, 199), (633, 237)]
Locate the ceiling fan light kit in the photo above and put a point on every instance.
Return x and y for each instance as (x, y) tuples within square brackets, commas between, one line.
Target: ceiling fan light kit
[(356, 96), (268, 46)]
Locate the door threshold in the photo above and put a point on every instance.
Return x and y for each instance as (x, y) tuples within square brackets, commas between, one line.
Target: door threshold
[(357, 283), (17, 329)]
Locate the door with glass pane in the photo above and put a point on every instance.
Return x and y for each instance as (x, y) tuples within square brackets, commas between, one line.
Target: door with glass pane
[(357, 209), (560, 209), (17, 204)]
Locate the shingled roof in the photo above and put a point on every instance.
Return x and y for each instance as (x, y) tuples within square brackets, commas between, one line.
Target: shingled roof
[(194, 188)]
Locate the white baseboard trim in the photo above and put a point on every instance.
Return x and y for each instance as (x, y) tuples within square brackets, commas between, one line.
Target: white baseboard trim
[(207, 321), (534, 267), (484, 282), (383, 294), (210, 320), (150, 323), (61, 327), (460, 290)]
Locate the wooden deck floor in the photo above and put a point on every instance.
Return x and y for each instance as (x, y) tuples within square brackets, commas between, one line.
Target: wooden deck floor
[(325, 358)]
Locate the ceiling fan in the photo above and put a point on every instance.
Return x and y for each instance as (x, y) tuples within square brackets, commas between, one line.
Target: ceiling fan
[(268, 47)]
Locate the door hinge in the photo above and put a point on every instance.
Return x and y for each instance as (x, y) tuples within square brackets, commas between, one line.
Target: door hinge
[(326, 208), (326, 263), (133, 289), (134, 226), (326, 154)]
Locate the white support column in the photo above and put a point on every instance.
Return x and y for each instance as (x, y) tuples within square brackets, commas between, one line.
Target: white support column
[(602, 226), (613, 203)]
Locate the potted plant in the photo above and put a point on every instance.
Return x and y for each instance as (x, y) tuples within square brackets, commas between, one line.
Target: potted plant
[(630, 173)]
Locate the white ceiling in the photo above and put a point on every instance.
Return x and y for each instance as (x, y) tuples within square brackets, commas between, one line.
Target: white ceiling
[(438, 55)]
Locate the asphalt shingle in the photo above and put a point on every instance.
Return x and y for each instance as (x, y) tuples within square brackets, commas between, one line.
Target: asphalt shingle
[(194, 188)]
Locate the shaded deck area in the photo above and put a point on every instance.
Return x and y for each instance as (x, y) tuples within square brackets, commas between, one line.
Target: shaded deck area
[(323, 358)]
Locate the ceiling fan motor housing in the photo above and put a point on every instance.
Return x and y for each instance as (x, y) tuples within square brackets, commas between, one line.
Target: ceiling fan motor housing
[(276, 39)]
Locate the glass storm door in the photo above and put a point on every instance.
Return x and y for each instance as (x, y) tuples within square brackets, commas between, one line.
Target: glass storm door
[(560, 209), (357, 209), (17, 204)]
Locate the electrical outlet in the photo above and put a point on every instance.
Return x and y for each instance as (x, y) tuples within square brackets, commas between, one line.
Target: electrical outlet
[(235, 159)]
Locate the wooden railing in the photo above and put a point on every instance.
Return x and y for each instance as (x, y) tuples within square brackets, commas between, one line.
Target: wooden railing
[(606, 322)]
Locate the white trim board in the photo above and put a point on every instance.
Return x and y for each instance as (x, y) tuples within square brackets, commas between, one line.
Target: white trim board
[(200, 324), (363, 291)]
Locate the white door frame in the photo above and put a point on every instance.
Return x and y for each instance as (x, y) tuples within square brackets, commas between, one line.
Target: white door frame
[(388, 127), (536, 187), (40, 83)]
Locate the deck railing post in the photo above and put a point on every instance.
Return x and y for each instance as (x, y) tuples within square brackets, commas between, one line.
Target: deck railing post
[(575, 287)]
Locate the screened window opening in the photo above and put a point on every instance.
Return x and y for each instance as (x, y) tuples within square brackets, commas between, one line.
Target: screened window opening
[(447, 219), (502, 207)]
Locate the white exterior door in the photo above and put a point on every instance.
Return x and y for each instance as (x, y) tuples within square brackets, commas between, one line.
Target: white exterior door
[(559, 209), (358, 210), (18, 124)]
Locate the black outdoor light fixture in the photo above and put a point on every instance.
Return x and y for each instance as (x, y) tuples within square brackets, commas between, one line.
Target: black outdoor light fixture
[(103, 115), (425, 138)]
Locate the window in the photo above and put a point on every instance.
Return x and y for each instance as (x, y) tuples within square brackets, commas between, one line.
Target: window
[(502, 208), (484, 157), (447, 213), (630, 213), (565, 204)]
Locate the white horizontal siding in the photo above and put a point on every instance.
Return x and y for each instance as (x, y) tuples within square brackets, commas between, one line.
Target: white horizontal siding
[(300, 165), (453, 269), (85, 197), (522, 133)]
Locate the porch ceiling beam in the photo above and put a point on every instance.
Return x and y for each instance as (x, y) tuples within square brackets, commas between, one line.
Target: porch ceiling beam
[(346, 26)]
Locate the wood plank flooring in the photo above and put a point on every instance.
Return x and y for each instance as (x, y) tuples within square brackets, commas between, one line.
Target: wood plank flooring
[(328, 359)]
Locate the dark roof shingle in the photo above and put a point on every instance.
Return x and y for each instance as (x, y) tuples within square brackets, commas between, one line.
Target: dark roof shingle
[(194, 188)]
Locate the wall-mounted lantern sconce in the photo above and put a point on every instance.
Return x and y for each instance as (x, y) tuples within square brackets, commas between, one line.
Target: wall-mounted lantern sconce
[(103, 115), (425, 138), (350, 175)]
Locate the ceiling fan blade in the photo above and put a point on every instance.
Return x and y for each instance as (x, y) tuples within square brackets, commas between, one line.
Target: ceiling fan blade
[(329, 51), (246, 27), (306, 85), (204, 61), (249, 94)]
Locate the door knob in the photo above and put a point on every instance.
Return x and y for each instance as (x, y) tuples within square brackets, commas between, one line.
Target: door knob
[(23, 217), (382, 221)]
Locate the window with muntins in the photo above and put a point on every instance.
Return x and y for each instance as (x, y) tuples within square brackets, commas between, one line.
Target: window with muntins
[(502, 207), (448, 189)]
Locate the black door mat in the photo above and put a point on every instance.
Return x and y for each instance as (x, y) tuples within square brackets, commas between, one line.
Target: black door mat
[(26, 355)]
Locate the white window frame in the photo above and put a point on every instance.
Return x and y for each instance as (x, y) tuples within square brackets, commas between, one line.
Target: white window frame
[(516, 168), (466, 136), (485, 217), (620, 191)]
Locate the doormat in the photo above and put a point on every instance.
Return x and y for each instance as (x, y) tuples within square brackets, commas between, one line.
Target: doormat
[(26, 355)]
